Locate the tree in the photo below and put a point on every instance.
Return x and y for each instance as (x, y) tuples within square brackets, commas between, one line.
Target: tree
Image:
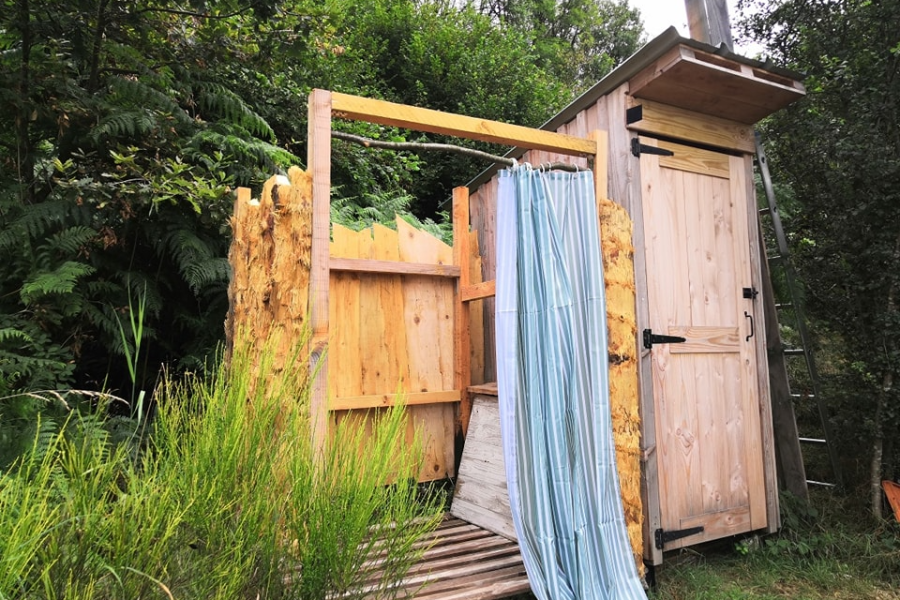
[(837, 150), (124, 126)]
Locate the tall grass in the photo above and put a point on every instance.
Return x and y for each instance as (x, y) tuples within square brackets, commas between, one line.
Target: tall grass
[(228, 500)]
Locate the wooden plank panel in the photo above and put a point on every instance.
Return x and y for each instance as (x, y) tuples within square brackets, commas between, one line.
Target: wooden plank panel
[(481, 496), (422, 119), (476, 316), (695, 160), (705, 339), (669, 121), (428, 308), (344, 336), (751, 410), (359, 265), (385, 400)]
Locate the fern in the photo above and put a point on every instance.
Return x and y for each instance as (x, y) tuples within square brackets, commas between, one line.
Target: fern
[(130, 124), (8, 334), (39, 219), (219, 99), (71, 240), (61, 280), (241, 146)]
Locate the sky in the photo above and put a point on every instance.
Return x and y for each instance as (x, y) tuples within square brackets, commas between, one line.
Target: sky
[(660, 14)]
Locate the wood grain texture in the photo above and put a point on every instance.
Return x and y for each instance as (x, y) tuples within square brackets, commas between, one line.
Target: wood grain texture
[(385, 400), (773, 511), (673, 122), (695, 160), (480, 496), (319, 165), (360, 265), (393, 333), (479, 291), (422, 119), (705, 390), (462, 353), (715, 86)]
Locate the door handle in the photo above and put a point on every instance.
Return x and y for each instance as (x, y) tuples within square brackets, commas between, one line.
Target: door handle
[(752, 328)]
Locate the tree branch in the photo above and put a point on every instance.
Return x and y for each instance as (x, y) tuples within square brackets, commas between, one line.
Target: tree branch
[(431, 146), (190, 13)]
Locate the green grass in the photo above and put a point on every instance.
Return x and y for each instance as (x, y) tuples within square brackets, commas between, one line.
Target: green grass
[(227, 499), (824, 551)]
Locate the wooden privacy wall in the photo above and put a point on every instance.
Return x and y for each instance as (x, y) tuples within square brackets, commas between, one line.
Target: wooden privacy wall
[(394, 333), (392, 310)]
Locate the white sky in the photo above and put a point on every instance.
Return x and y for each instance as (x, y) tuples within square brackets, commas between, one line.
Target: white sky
[(660, 14)]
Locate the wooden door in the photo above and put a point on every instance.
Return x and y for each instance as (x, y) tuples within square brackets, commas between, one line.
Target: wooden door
[(706, 396)]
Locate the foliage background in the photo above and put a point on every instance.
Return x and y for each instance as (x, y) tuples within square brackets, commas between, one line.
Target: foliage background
[(124, 127)]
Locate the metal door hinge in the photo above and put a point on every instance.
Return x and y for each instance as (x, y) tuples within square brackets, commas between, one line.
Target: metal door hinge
[(651, 338), (751, 293), (662, 537), (637, 148)]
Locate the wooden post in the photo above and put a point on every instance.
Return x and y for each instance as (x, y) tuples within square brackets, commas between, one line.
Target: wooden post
[(708, 22), (319, 166), (601, 159), (461, 339)]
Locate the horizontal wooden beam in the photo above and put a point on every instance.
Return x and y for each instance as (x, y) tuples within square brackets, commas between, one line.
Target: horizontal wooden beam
[(479, 291), (678, 123), (385, 400), (433, 121), (365, 265)]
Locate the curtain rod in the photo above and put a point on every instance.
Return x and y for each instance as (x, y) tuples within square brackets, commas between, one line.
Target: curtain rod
[(428, 146)]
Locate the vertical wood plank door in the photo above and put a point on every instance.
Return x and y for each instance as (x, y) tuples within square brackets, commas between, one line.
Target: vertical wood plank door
[(706, 396)]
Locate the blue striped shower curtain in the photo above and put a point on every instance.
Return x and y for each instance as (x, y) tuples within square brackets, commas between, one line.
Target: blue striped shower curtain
[(553, 389)]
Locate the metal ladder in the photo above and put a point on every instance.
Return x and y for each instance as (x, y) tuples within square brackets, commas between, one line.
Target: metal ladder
[(780, 257)]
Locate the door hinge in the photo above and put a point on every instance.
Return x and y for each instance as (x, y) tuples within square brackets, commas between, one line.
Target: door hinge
[(751, 293), (637, 148), (651, 338), (663, 537)]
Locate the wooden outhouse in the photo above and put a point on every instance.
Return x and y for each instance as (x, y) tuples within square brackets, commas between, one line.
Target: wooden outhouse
[(680, 117)]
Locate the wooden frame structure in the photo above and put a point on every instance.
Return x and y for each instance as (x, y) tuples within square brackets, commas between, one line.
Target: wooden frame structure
[(325, 106)]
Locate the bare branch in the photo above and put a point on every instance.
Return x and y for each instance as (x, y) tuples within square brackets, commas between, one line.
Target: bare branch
[(431, 146)]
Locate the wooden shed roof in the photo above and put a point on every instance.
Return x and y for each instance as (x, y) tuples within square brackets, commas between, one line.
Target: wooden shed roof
[(692, 75)]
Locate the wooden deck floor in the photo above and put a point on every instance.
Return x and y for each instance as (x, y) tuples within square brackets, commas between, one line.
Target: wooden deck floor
[(465, 562)]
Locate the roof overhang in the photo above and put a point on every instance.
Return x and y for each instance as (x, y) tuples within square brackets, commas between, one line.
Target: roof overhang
[(687, 74)]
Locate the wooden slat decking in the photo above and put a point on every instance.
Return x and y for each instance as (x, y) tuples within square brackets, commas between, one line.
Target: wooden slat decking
[(465, 562)]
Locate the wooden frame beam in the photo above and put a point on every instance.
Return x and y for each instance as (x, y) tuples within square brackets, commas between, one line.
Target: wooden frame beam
[(323, 106), (366, 265), (385, 400), (433, 121)]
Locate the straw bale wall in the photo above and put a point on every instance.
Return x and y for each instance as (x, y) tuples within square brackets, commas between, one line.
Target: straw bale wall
[(618, 267)]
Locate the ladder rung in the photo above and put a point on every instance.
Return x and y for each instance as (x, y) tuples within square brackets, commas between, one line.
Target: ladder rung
[(803, 396), (822, 483), (775, 257), (764, 211), (793, 351), (813, 440), (784, 305)]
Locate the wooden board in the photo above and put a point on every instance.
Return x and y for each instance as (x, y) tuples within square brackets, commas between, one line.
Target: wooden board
[(392, 333), (708, 430), (670, 121), (423, 119), (481, 496), (462, 561), (715, 86)]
